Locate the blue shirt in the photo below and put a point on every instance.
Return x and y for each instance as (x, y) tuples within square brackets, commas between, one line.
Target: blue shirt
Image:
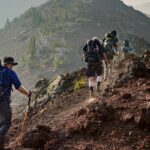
[(9, 78)]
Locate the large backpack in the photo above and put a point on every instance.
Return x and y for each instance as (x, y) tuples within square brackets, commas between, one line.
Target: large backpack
[(108, 45), (4, 87), (92, 54)]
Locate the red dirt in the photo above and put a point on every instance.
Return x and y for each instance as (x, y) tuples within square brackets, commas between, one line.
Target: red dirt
[(75, 122)]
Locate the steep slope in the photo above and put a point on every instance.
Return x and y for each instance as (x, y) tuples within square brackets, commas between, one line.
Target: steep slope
[(48, 39), (68, 119)]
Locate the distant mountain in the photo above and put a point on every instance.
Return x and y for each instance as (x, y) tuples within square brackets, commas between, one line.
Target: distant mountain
[(144, 8), (48, 39)]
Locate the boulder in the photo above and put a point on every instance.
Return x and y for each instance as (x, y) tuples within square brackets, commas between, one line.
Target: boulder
[(54, 86), (127, 117), (143, 118), (137, 68), (127, 96), (37, 138)]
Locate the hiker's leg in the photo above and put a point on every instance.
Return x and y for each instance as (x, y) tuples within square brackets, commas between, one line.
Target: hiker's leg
[(5, 119), (99, 73), (91, 86), (91, 77), (110, 68), (99, 80), (106, 69)]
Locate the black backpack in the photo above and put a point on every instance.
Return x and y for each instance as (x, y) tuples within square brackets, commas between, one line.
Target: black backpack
[(3, 87), (92, 54)]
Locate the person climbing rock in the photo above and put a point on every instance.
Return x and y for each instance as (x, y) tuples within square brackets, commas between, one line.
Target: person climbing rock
[(8, 78), (110, 47), (93, 55)]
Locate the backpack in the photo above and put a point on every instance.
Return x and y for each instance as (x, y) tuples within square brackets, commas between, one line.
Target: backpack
[(126, 43), (92, 55), (108, 45), (4, 87)]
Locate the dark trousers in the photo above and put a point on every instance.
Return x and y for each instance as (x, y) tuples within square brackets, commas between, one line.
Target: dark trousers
[(94, 70), (5, 118)]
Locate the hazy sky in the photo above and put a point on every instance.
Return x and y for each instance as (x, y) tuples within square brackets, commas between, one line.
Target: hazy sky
[(136, 2), (12, 8)]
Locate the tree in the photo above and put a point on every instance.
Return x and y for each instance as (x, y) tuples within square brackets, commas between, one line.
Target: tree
[(32, 49), (7, 23)]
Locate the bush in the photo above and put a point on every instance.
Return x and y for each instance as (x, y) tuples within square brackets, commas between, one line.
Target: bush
[(57, 62), (79, 84)]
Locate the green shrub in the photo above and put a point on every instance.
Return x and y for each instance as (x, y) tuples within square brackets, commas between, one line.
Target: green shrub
[(79, 84), (57, 62)]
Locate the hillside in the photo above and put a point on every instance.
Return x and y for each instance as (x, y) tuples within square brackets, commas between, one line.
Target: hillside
[(64, 118), (48, 39)]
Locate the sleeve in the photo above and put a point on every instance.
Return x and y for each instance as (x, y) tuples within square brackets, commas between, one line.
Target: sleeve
[(15, 80)]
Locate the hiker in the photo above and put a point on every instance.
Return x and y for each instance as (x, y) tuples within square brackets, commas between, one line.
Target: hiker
[(8, 78), (115, 47), (115, 40), (111, 50), (126, 48), (93, 55)]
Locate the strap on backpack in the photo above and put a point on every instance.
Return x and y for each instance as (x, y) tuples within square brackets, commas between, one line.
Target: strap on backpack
[(2, 91)]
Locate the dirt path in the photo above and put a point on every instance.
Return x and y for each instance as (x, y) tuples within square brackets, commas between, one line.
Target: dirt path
[(66, 105)]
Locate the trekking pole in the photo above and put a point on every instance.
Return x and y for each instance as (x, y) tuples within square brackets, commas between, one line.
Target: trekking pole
[(23, 123), (29, 100)]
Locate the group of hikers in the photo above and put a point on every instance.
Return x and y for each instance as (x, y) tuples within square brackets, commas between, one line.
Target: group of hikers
[(96, 55), (101, 57)]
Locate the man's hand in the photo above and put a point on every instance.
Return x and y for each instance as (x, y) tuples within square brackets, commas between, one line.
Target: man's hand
[(30, 94), (24, 91)]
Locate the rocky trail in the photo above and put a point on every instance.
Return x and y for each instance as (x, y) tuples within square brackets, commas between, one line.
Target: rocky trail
[(62, 118)]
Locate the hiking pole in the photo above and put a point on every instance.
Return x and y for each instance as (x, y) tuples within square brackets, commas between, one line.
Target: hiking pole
[(28, 106), (23, 122)]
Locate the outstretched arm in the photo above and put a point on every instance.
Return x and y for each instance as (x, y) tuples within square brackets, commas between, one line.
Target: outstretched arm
[(16, 82), (24, 91)]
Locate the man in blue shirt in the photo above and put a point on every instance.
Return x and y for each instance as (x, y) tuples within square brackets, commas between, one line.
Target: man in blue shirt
[(8, 78)]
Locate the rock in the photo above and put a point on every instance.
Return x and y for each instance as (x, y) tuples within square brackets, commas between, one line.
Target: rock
[(121, 80), (127, 117), (137, 68), (143, 119), (89, 121), (54, 85), (41, 83), (37, 137), (146, 143), (126, 96), (147, 90)]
